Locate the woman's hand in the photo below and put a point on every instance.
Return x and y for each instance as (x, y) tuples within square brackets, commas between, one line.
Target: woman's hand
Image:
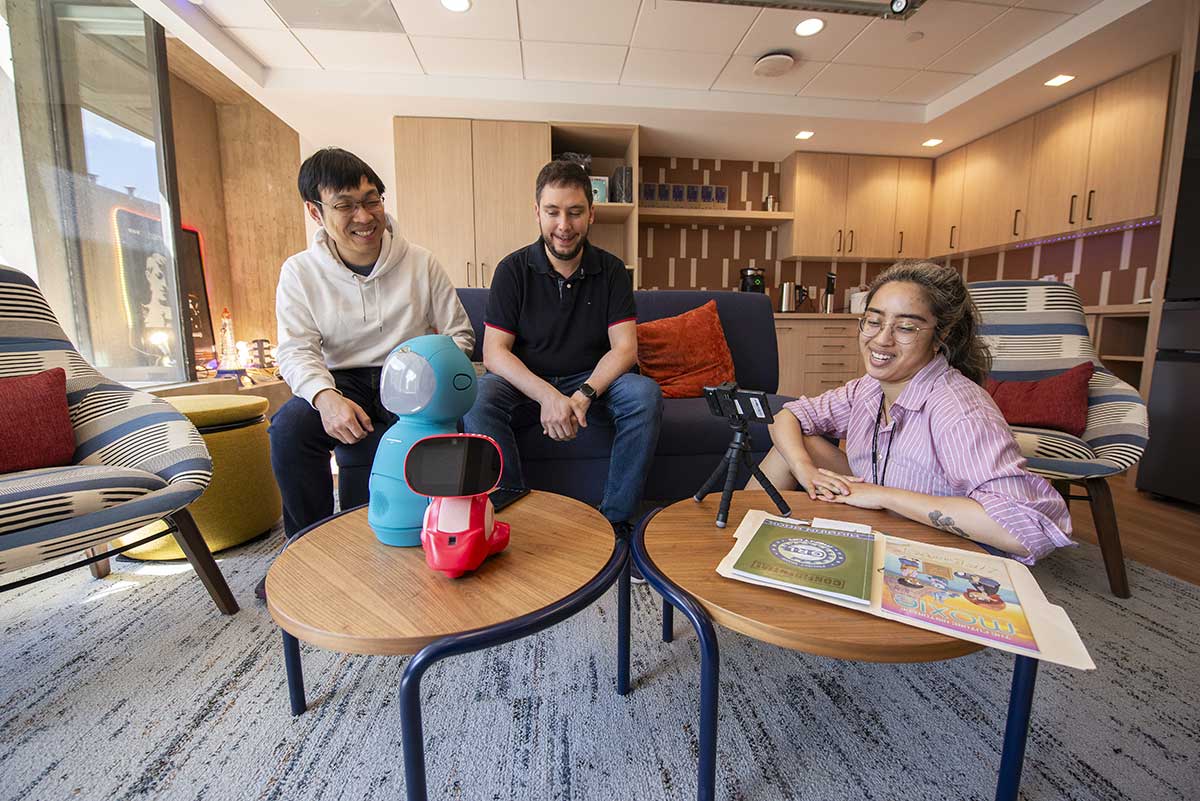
[(864, 495), (825, 485)]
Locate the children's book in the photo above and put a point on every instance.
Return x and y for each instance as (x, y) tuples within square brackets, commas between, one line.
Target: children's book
[(985, 599), (805, 557)]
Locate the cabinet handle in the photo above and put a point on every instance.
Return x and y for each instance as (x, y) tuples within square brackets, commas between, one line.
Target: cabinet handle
[(831, 364), (1016, 214), (901, 250), (484, 281), (469, 274), (1091, 196), (839, 244), (952, 236), (1071, 210), (851, 248)]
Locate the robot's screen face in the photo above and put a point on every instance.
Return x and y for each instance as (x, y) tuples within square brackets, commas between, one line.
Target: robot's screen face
[(408, 383), (452, 466)]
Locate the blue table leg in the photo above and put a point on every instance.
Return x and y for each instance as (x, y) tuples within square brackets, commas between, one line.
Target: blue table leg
[(623, 630), (668, 621), (1020, 701), (710, 663), (295, 673), (412, 738)]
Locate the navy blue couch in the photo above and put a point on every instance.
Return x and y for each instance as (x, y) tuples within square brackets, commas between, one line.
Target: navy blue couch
[(692, 441)]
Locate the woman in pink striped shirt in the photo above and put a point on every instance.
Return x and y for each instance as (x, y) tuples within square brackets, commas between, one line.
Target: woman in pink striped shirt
[(923, 438)]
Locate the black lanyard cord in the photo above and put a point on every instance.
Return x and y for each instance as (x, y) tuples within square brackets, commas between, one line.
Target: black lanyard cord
[(876, 478)]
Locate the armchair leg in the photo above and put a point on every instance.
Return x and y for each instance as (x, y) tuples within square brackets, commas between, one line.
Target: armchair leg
[(1104, 515), (100, 568), (196, 550), (1063, 488)]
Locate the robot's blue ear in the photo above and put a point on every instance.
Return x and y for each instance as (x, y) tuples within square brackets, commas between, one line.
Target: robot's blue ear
[(453, 465)]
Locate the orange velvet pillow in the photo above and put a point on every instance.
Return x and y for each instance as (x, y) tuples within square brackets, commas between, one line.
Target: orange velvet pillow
[(685, 353)]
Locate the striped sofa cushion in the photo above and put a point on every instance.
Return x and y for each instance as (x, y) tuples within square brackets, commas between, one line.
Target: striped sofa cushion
[(33, 498)]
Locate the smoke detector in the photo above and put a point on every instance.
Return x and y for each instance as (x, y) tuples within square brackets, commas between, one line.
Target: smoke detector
[(772, 65)]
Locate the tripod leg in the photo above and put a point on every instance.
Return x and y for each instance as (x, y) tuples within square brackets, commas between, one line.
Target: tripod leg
[(713, 480), (727, 492), (768, 487)]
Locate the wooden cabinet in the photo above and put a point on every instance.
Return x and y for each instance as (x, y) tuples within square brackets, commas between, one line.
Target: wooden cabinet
[(1058, 171), (817, 352), (465, 189), (996, 187), (945, 207), (871, 206), (915, 179), (814, 186)]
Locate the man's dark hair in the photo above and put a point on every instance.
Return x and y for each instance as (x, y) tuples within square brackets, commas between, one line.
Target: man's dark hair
[(336, 170), (564, 173)]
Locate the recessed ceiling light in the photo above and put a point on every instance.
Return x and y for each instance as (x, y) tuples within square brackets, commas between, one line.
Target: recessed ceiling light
[(457, 5), (931, 143), (810, 27), (1059, 80), (805, 135)]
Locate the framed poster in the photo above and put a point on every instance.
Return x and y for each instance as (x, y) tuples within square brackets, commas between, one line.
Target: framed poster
[(148, 284), (197, 315)]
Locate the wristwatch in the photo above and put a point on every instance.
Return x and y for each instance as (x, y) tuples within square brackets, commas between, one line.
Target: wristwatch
[(586, 390)]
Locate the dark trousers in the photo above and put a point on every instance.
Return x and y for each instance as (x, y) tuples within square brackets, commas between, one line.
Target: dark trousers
[(300, 449)]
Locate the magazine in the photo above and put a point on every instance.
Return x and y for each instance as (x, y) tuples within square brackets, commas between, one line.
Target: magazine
[(973, 596), (795, 556)]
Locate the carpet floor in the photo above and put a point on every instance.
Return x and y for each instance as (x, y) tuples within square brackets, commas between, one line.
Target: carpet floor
[(135, 687)]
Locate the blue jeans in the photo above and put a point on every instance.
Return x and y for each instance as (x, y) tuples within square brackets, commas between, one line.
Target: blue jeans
[(632, 404)]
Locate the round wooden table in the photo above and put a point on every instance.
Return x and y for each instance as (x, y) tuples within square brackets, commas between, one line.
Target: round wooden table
[(335, 585), (678, 551)]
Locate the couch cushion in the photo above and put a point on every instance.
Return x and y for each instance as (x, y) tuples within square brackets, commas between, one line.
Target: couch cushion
[(1059, 402), (35, 423), (685, 353), (34, 498)]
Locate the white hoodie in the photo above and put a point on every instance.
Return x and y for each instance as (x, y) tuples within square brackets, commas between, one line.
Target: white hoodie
[(331, 318)]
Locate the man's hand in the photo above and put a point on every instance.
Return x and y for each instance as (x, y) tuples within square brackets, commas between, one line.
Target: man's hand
[(559, 421), (580, 404), (344, 420)]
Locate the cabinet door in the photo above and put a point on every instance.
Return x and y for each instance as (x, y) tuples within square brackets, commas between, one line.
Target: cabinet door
[(870, 206), (996, 187), (1128, 126), (945, 217), (790, 338), (820, 204), (507, 159), (912, 208), (434, 191), (1059, 169)]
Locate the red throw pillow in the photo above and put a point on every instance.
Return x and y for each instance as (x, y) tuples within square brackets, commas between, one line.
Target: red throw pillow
[(1058, 402), (685, 353), (35, 424)]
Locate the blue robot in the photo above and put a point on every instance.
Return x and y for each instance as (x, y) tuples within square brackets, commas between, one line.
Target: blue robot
[(430, 384)]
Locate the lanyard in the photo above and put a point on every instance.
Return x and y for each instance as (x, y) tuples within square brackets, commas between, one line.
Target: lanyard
[(876, 478)]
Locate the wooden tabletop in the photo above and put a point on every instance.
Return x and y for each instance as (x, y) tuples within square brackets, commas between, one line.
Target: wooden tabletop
[(341, 588), (686, 546)]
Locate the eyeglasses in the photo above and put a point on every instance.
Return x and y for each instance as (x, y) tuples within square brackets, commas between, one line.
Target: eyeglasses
[(903, 331), (347, 208)]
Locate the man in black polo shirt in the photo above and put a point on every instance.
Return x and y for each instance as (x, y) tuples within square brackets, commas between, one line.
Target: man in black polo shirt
[(559, 344)]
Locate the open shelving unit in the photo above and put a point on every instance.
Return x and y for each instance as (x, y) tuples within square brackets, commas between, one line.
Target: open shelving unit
[(1119, 333), (757, 219)]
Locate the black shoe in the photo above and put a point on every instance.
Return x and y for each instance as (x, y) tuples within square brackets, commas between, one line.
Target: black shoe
[(260, 589)]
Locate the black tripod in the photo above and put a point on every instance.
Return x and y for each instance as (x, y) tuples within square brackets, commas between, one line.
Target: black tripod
[(737, 453)]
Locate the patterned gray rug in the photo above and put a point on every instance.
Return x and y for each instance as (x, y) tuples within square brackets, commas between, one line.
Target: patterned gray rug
[(135, 687)]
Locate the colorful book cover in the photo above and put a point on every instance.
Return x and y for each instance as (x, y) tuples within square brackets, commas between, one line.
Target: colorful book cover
[(821, 560), (955, 592)]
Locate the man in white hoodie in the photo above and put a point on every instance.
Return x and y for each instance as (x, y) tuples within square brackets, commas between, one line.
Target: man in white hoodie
[(342, 306)]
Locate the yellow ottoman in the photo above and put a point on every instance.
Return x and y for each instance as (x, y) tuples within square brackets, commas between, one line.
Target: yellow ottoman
[(243, 500)]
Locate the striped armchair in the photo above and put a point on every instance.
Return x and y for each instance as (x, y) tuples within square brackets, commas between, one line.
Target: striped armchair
[(1037, 329), (137, 460)]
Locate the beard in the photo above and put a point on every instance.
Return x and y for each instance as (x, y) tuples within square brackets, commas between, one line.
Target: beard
[(548, 241)]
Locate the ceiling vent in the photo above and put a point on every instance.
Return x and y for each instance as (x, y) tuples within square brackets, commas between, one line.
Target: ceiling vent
[(772, 65), (887, 9)]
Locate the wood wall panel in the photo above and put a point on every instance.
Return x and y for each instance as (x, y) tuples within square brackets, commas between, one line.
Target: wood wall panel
[(263, 212)]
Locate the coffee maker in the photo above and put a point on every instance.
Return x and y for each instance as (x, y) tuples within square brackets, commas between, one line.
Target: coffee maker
[(754, 279)]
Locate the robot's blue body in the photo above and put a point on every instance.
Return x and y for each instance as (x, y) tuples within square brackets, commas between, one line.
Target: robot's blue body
[(430, 384)]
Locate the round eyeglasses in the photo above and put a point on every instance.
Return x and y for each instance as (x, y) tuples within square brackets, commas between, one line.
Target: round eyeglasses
[(903, 331)]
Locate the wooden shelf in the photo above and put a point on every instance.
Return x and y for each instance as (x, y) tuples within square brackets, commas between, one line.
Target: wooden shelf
[(613, 212), (759, 219), (1108, 358), (1119, 308)]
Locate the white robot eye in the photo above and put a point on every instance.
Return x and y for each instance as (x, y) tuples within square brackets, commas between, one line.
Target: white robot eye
[(408, 383)]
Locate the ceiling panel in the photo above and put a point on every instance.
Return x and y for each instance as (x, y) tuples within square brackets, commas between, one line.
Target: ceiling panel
[(1010, 32), (485, 58), (934, 30), (339, 15), (700, 27), (738, 76), (673, 68), (925, 87), (274, 48), (610, 22), (243, 14), (1065, 6), (360, 50), (855, 82), (487, 19), (776, 30), (564, 61)]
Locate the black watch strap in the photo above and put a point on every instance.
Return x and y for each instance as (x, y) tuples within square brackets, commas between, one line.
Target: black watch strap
[(586, 390)]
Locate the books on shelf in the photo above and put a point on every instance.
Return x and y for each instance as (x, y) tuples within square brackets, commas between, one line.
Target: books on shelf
[(989, 600)]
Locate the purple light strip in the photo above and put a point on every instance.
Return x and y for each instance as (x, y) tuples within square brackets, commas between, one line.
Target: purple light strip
[(1069, 237)]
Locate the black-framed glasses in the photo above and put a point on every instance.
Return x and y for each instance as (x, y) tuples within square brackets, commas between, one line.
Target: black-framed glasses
[(347, 208), (903, 331)]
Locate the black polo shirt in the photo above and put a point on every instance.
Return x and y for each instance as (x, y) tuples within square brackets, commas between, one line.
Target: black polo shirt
[(561, 324)]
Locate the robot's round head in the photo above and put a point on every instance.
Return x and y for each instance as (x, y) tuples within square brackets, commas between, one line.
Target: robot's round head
[(428, 378)]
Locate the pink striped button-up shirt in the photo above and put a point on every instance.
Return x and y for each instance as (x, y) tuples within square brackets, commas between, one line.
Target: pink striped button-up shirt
[(946, 437)]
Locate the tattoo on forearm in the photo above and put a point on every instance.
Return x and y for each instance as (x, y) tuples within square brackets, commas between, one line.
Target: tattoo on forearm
[(946, 523)]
